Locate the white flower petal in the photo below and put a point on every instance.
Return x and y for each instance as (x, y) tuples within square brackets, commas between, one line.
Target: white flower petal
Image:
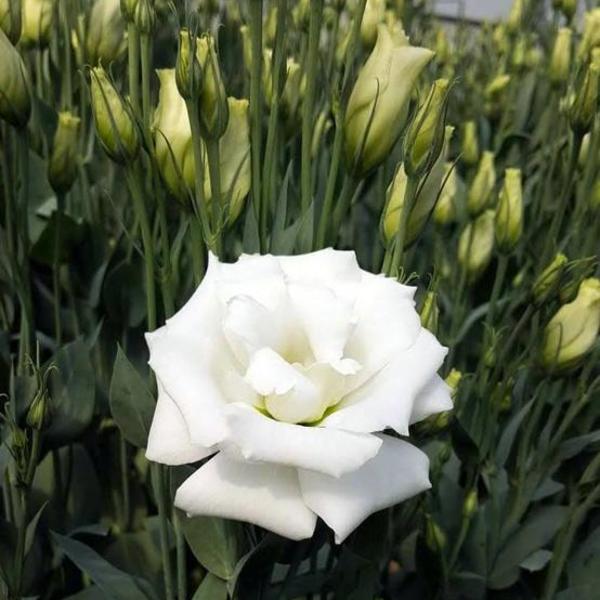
[(387, 399), (264, 494), (255, 437), (398, 472), (434, 398), (169, 439)]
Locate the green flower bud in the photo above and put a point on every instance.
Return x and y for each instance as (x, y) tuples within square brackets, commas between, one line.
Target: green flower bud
[(173, 137), (372, 17), (584, 151), (114, 122), (533, 57), (62, 166), (471, 503), (378, 106), (435, 538), (482, 186), (37, 414), (425, 136), (591, 34), (301, 14), (568, 8), (213, 107), (270, 26), (128, 9), (515, 17), (502, 396), (105, 38), (293, 88), (572, 331), (37, 19), (453, 380), (430, 312), (476, 244), (519, 52), (246, 47), (595, 196), (495, 94), (509, 215), (441, 46), (322, 126), (470, 144), (500, 39), (144, 16), (560, 59), (445, 208), (188, 71), (234, 152), (585, 104), (10, 19), (15, 100)]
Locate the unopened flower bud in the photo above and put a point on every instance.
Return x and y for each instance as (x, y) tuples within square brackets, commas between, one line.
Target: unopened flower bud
[(482, 186), (322, 126), (594, 200), (518, 54), (453, 379), (270, 25), (128, 9), (234, 152), (294, 86), (246, 47), (213, 107), (301, 14), (372, 17), (476, 244), (470, 504), (548, 281), (495, 94), (585, 104), (430, 312), (114, 122), (470, 144), (573, 330), (15, 100), (515, 17), (500, 39), (37, 414), (188, 72), (502, 396), (377, 108), (435, 538), (37, 19), (509, 214), (445, 208), (490, 351), (62, 165), (568, 8), (10, 19), (425, 136), (105, 38), (591, 34), (144, 16), (560, 59), (584, 151)]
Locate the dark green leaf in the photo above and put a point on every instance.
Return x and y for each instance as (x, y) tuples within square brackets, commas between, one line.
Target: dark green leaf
[(211, 588)]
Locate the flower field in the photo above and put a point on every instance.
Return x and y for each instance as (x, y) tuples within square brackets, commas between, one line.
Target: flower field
[(299, 300)]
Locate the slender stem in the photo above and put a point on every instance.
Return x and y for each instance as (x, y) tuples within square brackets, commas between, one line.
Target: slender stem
[(158, 473), (67, 75), (133, 64), (197, 249), (123, 460), (400, 238), (181, 559), (56, 269), (214, 171), (308, 104), (146, 56), (498, 281), (255, 21)]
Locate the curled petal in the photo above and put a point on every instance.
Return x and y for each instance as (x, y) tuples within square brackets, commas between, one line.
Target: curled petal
[(434, 398)]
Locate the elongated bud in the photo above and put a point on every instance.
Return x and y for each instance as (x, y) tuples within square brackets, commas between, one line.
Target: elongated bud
[(502, 396), (322, 126), (445, 208), (584, 151), (213, 108), (591, 34), (495, 95), (10, 19), (470, 144), (573, 330), (105, 38), (234, 151), (128, 9), (246, 47), (114, 122), (62, 166), (585, 104), (509, 215), (378, 106), (435, 538), (15, 100), (453, 379), (425, 136), (515, 17), (188, 72), (372, 17), (547, 283), (471, 504), (594, 200), (270, 25), (144, 16), (480, 192), (37, 414), (476, 244), (560, 59), (430, 312), (37, 20)]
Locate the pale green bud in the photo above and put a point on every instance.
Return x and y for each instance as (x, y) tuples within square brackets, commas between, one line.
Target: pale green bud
[(173, 137), (322, 126), (246, 47), (15, 100), (470, 504), (37, 414), (548, 281), (585, 105), (594, 200), (10, 19), (482, 186), (470, 144), (234, 163), (445, 208), (591, 34), (453, 380), (572, 331), (533, 57), (430, 312), (128, 9), (584, 151), (62, 165), (441, 46), (476, 244), (37, 19), (188, 71), (425, 136), (519, 53), (270, 25), (293, 87), (515, 17), (495, 94), (301, 14), (568, 8), (213, 107), (500, 39), (509, 215), (378, 106), (105, 37), (144, 16), (435, 538), (560, 59), (114, 122), (372, 17)]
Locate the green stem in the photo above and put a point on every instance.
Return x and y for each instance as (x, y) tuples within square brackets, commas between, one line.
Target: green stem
[(181, 559), (498, 281), (158, 476), (146, 56), (308, 104), (123, 460), (214, 171), (56, 269), (133, 65), (198, 263), (400, 237), (67, 75)]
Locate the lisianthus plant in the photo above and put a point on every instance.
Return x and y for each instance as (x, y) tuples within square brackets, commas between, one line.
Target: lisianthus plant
[(298, 300)]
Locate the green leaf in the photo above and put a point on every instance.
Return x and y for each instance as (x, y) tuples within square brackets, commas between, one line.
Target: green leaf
[(113, 582), (131, 403), (8, 543), (251, 240), (536, 561), (215, 543), (73, 394), (508, 436), (211, 588), (123, 293), (584, 565), (582, 592), (32, 527), (71, 234)]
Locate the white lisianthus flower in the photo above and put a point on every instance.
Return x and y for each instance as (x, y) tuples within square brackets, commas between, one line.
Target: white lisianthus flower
[(287, 369)]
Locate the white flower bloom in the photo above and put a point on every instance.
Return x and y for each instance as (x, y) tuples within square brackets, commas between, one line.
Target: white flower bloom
[(286, 368)]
